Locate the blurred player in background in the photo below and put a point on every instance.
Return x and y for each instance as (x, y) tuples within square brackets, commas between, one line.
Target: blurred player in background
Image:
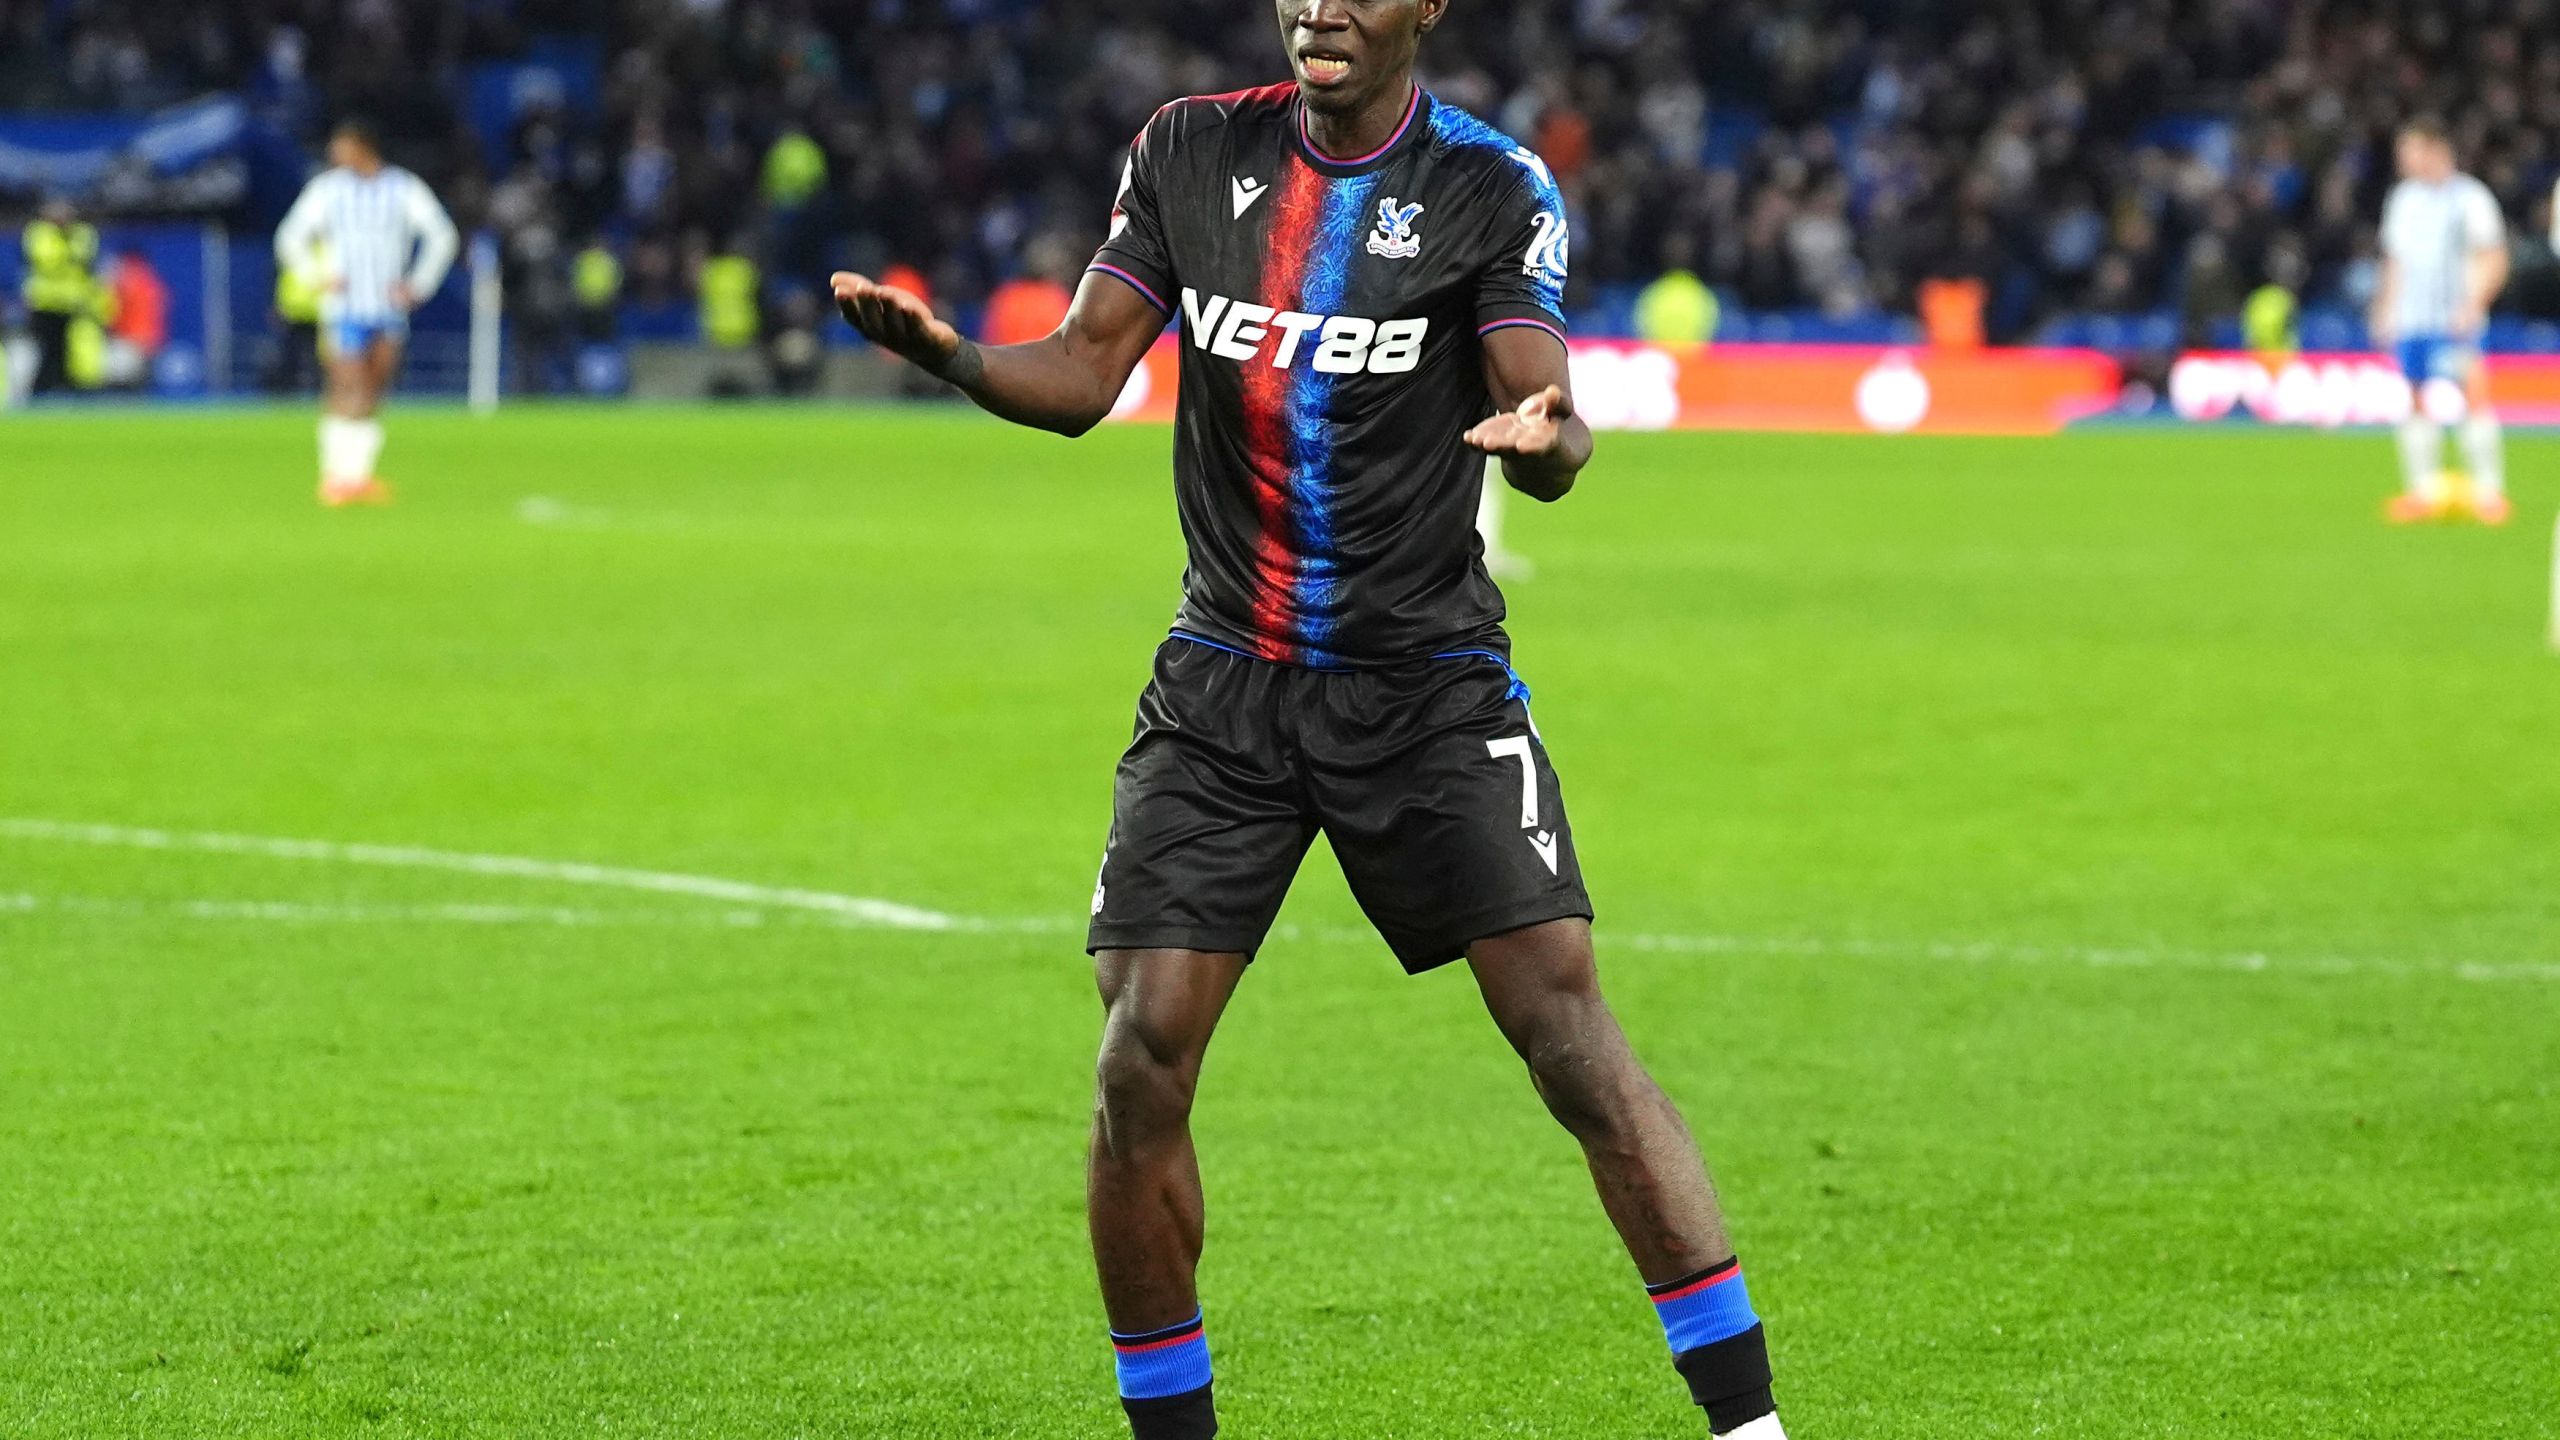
[(2444, 259), (377, 244), (1371, 284), (1500, 561)]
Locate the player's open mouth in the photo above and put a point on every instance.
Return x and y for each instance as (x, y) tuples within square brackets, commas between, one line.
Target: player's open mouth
[(1324, 69)]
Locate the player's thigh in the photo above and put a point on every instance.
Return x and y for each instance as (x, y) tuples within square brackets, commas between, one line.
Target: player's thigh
[(382, 359), (1162, 1005), (1207, 823), (2470, 368), (1444, 807), (350, 380), (1539, 980)]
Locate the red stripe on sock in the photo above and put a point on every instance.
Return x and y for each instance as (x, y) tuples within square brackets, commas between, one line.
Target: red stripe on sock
[(1703, 1282)]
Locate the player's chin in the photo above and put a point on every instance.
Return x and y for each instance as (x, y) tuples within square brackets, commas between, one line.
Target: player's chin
[(1329, 92)]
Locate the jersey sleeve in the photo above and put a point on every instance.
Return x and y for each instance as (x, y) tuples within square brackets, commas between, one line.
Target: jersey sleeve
[(438, 241), (2484, 226), (1522, 278), (1137, 251), (298, 238)]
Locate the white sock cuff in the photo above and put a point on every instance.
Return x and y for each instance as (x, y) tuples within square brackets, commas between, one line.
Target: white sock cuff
[(364, 446), (2484, 447), (336, 443), (2421, 453)]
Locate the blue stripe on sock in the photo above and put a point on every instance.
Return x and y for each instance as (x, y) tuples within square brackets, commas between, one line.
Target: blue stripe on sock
[(1160, 1370), (1703, 1317)]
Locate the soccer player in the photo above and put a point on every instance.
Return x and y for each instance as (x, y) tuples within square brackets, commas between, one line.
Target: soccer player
[(1369, 284), (378, 245), (2444, 259)]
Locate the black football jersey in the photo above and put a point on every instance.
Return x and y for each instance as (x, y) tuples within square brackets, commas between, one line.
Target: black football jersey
[(1331, 319)]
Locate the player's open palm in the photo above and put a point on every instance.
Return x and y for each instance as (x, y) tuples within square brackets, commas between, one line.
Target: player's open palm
[(1536, 428), (895, 320)]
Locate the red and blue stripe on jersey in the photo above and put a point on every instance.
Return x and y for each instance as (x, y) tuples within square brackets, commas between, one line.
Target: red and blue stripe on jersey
[(1315, 228)]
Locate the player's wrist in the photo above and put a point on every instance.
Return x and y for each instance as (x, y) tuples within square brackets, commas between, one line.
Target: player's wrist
[(962, 367)]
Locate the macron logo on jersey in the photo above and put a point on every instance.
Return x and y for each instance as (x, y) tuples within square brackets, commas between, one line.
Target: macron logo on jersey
[(1344, 344), (1246, 192)]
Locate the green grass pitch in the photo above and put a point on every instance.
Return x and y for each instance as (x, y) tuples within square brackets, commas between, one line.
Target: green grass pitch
[(2095, 898)]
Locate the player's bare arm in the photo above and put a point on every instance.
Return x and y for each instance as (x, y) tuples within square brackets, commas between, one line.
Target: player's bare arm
[(2485, 269), (1065, 381), (1543, 444)]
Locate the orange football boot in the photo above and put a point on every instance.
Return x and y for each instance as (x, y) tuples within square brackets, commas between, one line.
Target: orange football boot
[(2408, 509), (335, 494)]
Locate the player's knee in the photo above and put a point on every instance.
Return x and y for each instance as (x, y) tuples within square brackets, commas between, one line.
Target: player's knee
[(1581, 1100), (1583, 1069), (1143, 1079)]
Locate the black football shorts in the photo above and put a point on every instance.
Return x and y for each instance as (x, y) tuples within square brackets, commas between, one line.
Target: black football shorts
[(1428, 779)]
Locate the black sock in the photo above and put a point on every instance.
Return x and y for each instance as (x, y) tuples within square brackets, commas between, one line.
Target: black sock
[(1191, 1415), (1729, 1379)]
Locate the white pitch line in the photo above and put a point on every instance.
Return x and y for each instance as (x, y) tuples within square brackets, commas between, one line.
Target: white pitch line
[(2091, 956), (570, 917), (821, 906), (307, 912), (859, 908), (297, 912)]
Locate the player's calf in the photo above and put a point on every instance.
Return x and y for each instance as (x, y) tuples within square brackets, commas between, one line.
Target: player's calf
[(1142, 1183), (1543, 990)]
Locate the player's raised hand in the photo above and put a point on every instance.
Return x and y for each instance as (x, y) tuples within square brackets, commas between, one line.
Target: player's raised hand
[(1536, 428), (895, 320)]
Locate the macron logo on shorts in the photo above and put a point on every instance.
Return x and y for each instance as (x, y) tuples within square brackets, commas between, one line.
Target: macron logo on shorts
[(1544, 842)]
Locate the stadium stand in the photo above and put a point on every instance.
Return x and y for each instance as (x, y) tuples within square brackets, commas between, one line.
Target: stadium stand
[(2122, 173)]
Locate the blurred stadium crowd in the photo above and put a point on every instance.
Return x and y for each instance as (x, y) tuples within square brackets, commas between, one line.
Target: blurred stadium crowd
[(2006, 164)]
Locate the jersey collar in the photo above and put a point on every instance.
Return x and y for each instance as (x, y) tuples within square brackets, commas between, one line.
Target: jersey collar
[(1415, 114)]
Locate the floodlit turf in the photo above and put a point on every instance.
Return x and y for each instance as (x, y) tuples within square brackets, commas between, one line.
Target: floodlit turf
[(2096, 898)]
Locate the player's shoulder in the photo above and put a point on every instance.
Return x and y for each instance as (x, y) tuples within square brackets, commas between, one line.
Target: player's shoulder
[(1459, 139), (2403, 205), (2473, 190), (1194, 117)]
